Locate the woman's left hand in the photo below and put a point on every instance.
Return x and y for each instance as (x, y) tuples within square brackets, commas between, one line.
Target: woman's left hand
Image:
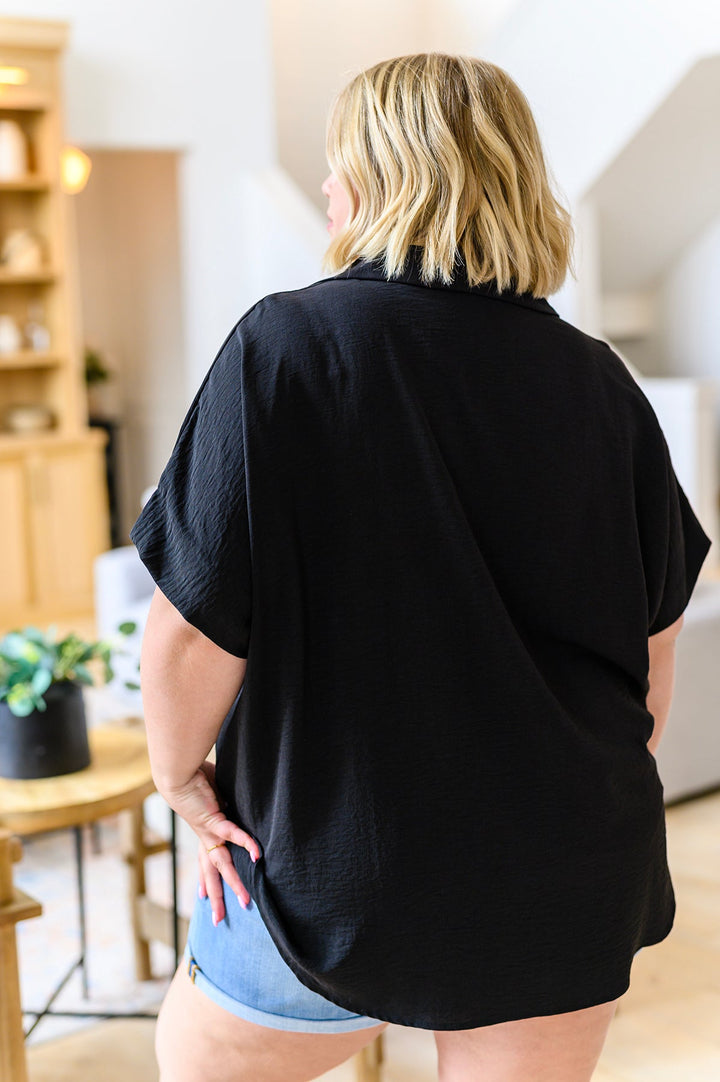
[(197, 803)]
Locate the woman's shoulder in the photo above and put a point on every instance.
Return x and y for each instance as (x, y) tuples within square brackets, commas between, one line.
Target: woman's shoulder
[(289, 302), (322, 303), (311, 314), (597, 356)]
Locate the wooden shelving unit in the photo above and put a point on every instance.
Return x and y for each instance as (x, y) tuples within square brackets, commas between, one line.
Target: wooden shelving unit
[(29, 358), (27, 278), (52, 483), (26, 184)]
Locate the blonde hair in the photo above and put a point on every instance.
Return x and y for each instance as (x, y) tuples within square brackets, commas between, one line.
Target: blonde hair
[(442, 152)]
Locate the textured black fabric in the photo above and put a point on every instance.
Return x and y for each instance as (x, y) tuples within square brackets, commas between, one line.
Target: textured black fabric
[(440, 523)]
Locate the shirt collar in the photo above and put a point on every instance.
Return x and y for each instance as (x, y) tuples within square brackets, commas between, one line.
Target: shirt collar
[(410, 275)]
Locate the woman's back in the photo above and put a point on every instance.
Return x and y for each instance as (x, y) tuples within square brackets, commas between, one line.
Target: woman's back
[(444, 535), (425, 528)]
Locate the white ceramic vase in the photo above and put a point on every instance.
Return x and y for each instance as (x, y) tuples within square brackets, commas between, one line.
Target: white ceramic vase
[(10, 335), (13, 151)]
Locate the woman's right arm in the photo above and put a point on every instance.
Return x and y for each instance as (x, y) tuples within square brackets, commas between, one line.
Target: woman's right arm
[(661, 677)]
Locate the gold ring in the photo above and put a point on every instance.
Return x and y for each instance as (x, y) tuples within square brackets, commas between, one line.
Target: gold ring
[(215, 847)]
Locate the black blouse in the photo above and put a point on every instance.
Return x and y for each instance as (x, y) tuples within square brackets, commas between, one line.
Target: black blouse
[(440, 522)]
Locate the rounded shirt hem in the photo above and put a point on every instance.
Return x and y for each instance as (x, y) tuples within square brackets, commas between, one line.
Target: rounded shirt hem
[(613, 991)]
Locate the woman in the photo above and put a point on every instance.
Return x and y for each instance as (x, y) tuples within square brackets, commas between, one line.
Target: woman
[(421, 558)]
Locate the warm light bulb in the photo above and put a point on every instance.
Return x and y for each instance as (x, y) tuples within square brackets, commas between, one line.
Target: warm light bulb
[(75, 169), (12, 76)]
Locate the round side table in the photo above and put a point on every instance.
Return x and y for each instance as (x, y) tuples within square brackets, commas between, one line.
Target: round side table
[(117, 780)]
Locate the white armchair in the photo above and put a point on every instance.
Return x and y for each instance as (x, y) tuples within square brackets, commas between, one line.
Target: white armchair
[(688, 756), (123, 591)]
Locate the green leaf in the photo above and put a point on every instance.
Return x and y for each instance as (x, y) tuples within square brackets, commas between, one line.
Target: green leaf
[(31, 652), (131, 686), (21, 700), (13, 645), (41, 681), (22, 707), (20, 676), (19, 689), (83, 675), (30, 661)]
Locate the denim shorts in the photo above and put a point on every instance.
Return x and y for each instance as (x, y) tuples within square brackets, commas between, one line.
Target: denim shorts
[(239, 967)]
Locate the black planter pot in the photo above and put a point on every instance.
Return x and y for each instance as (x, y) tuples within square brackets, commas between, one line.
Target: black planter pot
[(46, 742)]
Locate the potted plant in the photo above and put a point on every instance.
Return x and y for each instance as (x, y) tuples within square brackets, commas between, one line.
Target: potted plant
[(43, 728), (97, 376)]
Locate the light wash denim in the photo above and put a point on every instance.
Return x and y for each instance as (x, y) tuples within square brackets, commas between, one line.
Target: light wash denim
[(239, 967)]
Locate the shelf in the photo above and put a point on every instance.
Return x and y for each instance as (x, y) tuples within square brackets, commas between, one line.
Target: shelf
[(30, 183), (29, 358), (54, 483), (13, 102), (13, 443), (629, 315), (11, 278)]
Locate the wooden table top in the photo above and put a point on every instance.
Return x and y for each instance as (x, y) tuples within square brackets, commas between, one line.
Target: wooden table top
[(118, 777)]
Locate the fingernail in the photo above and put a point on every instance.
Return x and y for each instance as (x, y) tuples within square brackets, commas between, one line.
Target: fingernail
[(215, 919), (243, 903), (253, 858)]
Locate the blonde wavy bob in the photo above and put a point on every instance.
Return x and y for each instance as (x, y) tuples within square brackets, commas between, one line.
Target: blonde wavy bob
[(442, 152)]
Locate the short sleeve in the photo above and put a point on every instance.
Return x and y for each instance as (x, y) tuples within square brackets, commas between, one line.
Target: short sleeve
[(680, 546), (193, 532)]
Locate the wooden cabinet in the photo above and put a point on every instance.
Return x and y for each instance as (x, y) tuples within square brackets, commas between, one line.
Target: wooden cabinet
[(15, 558), (53, 497), (51, 532)]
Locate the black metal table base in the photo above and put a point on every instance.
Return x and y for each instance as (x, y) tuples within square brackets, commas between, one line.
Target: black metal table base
[(81, 961)]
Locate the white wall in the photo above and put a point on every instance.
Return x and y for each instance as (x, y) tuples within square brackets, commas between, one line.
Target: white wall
[(601, 68), (688, 310), (278, 218), (688, 344), (685, 337), (187, 77), (128, 234), (465, 26), (317, 47), (593, 72)]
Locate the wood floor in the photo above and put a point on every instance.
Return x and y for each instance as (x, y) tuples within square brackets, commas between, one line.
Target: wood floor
[(667, 1028)]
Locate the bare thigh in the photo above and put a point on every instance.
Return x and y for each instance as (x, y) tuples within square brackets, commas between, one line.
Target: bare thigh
[(552, 1048), (197, 1039)]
